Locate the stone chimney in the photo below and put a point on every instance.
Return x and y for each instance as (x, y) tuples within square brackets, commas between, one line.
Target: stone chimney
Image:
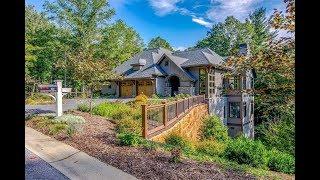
[(244, 49)]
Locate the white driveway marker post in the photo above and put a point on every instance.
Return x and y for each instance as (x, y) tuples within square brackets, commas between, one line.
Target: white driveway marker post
[(59, 98)]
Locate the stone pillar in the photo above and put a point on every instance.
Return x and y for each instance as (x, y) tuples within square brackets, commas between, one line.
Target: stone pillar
[(59, 111)]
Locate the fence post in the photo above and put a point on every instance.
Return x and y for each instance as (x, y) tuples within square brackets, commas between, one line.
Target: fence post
[(176, 109), (144, 121), (165, 120)]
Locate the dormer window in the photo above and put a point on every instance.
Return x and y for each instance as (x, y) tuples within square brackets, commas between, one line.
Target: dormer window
[(166, 63)]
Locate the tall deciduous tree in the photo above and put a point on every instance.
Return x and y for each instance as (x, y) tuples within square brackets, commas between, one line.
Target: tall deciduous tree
[(119, 43), (158, 42), (83, 18)]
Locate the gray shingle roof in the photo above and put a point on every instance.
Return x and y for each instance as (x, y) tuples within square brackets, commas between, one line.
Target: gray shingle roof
[(182, 59), (197, 57)]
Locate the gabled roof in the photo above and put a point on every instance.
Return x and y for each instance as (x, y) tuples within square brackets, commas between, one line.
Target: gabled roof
[(148, 70), (183, 59), (197, 57)]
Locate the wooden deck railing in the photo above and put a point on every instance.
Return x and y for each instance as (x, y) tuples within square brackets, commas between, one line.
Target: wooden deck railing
[(157, 118)]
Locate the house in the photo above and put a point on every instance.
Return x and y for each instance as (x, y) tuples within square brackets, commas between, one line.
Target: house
[(198, 71)]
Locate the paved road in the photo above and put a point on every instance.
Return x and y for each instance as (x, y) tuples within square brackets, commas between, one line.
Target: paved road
[(36, 168), (68, 104)]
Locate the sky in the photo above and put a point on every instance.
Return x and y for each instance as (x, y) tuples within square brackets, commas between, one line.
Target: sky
[(181, 22)]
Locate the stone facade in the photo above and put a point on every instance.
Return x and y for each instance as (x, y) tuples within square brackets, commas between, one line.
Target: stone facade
[(187, 90), (189, 125)]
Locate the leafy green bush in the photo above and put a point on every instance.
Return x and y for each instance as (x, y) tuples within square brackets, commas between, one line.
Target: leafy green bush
[(128, 125), (176, 140), (129, 139), (214, 129), (211, 147), (83, 107), (280, 134), (281, 162), (115, 111), (246, 151)]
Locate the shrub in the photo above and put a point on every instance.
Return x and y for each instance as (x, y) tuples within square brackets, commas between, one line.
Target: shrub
[(75, 122), (214, 129), (246, 151), (149, 145), (141, 99), (39, 99), (211, 147), (281, 162), (176, 140), (129, 139), (182, 96), (115, 111), (128, 125), (279, 134), (57, 128), (83, 107)]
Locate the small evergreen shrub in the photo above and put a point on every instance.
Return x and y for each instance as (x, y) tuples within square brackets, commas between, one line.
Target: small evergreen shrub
[(128, 125), (83, 107), (129, 139), (211, 147), (246, 151), (281, 162), (214, 129)]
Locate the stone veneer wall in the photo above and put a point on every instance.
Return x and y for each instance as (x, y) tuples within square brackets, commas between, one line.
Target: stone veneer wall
[(187, 90), (189, 126), (167, 91)]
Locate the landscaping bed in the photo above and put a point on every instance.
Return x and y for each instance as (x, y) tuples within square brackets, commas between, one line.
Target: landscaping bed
[(98, 139)]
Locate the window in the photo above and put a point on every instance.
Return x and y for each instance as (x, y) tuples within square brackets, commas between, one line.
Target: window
[(244, 83), (224, 111), (234, 109), (166, 63), (244, 109), (202, 81)]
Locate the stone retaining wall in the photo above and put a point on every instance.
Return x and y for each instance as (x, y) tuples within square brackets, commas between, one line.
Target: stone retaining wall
[(189, 126)]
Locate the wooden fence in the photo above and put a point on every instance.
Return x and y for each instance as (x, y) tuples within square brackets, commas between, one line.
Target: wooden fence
[(157, 118)]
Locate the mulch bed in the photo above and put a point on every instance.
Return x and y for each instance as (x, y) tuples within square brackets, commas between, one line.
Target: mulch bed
[(98, 139)]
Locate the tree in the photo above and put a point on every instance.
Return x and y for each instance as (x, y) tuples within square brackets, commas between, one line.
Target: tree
[(83, 18), (119, 43), (274, 65), (158, 42), (262, 30), (94, 73), (41, 41), (224, 38)]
